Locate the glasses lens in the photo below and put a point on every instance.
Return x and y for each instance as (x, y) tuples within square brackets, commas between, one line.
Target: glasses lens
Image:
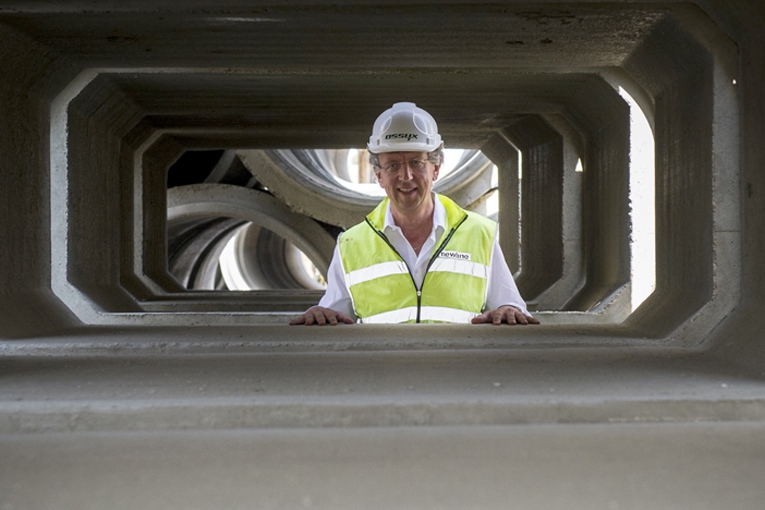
[(393, 168), (417, 165)]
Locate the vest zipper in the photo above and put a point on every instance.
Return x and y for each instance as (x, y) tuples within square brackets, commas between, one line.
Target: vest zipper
[(443, 244), (430, 262)]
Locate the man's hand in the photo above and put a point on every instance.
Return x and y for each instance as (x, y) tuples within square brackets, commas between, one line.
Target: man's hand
[(505, 313), (321, 316)]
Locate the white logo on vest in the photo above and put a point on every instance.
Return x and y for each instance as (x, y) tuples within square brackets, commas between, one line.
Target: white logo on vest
[(454, 255)]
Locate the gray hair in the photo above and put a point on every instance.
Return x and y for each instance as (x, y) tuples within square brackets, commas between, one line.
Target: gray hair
[(435, 156)]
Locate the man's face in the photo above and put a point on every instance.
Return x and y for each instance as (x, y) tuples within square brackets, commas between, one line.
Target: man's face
[(407, 184)]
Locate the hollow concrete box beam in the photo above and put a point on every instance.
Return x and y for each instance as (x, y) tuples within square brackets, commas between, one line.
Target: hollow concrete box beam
[(572, 277), (692, 352), (740, 339), (150, 191), (602, 117), (503, 154), (541, 194), (98, 118), (132, 148), (95, 53), (681, 84), (28, 306)]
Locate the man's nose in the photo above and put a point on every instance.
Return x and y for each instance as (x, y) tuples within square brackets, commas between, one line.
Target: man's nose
[(406, 171)]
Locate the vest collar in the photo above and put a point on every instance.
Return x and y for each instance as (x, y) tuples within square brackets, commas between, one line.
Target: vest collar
[(378, 218)]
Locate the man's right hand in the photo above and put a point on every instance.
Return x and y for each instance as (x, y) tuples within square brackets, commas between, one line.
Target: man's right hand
[(321, 316)]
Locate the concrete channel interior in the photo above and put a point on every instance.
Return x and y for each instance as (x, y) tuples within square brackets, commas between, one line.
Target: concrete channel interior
[(138, 138)]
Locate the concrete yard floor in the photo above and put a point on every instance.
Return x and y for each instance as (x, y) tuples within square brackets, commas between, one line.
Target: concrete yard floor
[(301, 418)]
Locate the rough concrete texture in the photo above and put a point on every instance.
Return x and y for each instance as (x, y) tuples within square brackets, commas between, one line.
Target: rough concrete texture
[(641, 467), (199, 419), (120, 389)]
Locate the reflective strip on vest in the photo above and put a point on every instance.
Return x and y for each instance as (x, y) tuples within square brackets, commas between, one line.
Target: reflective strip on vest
[(376, 271), (454, 289), (467, 267), (427, 313)]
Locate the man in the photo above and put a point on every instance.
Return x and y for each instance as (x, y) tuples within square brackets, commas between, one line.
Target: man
[(418, 257)]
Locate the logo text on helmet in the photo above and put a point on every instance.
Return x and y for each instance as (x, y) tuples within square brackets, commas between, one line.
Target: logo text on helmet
[(408, 136)]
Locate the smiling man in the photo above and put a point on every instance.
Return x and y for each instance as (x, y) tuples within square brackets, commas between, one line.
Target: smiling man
[(418, 256)]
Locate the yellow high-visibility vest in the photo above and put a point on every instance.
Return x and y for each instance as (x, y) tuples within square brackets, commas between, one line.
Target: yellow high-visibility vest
[(381, 285)]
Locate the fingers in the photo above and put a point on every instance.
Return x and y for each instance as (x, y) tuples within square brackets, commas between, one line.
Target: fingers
[(499, 316), (504, 314), (321, 316), (481, 319), (345, 318), (522, 319)]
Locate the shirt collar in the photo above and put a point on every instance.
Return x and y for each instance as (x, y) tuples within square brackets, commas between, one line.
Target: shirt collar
[(439, 216)]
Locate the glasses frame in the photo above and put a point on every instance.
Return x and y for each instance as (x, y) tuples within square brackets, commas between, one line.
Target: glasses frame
[(416, 164)]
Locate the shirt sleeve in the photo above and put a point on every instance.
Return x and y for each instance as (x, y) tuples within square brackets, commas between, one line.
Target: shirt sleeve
[(502, 289), (336, 296)]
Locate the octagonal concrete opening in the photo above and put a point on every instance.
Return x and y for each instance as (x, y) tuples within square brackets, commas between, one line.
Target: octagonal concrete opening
[(548, 102)]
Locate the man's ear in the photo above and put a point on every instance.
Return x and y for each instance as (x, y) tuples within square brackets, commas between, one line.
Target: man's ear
[(435, 172), (377, 176)]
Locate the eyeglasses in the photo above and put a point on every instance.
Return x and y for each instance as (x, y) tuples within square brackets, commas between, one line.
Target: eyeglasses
[(417, 165)]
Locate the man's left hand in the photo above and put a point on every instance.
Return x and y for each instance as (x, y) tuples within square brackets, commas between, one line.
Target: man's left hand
[(504, 314)]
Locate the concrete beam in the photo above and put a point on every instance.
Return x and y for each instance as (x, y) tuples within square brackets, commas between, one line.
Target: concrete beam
[(225, 200), (257, 106), (541, 197)]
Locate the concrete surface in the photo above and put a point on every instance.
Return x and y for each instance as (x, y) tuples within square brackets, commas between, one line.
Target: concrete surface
[(129, 91), (120, 389), (360, 388), (243, 418), (628, 466)]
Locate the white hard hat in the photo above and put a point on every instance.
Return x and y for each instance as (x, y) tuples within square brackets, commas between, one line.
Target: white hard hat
[(404, 128)]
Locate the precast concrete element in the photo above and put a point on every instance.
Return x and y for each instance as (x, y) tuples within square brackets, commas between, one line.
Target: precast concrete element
[(577, 466), (139, 107), (100, 116), (135, 402), (549, 277), (264, 260), (505, 156), (335, 378), (120, 388), (697, 174), (305, 190), (186, 203), (29, 306), (547, 157), (308, 187), (229, 170), (469, 184), (174, 111), (604, 117), (195, 247), (541, 196), (572, 277)]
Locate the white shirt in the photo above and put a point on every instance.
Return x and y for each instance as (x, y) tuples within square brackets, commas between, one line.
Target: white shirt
[(501, 288)]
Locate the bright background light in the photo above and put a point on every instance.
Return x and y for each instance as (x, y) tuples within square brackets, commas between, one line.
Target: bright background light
[(642, 204)]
